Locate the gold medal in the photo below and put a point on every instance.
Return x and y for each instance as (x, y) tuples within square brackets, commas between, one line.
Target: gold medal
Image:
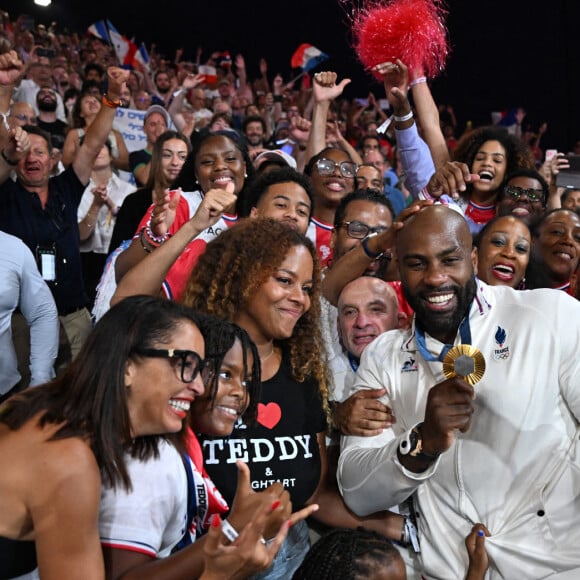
[(465, 361)]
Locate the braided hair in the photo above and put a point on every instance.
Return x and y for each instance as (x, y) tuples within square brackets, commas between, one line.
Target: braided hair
[(219, 336), (345, 554)]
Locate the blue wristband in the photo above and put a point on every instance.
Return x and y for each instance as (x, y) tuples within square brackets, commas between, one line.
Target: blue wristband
[(365, 246)]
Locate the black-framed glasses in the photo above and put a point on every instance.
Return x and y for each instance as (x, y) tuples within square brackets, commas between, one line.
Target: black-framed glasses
[(516, 192), (191, 363), (359, 230), (328, 167)]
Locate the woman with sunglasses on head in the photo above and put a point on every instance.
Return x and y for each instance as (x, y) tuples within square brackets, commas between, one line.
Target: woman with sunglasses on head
[(60, 441), (142, 530)]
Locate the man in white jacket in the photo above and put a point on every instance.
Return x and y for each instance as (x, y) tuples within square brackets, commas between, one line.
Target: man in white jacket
[(503, 452)]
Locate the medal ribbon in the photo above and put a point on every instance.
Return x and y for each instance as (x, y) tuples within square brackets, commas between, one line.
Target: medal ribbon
[(464, 332), (353, 362)]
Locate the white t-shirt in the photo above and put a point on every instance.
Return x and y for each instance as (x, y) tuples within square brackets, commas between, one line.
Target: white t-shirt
[(152, 518)]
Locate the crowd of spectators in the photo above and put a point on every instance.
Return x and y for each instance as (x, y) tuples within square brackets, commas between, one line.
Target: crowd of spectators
[(146, 179)]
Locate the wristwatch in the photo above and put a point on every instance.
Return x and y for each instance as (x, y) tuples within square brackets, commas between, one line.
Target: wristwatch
[(412, 445)]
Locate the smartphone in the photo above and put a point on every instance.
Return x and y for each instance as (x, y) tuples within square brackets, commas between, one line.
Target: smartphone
[(570, 177)]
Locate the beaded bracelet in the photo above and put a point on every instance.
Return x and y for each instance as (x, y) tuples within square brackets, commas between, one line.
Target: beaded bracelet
[(153, 239), (144, 243)]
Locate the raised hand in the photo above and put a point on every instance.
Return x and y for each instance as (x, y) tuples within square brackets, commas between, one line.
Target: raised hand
[(163, 214), (116, 77), (300, 129), (249, 553), (263, 67), (214, 203), (325, 87), (274, 500), (191, 81), (240, 62), (100, 195), (451, 179), (277, 85), (18, 144), (385, 241), (11, 68), (396, 82)]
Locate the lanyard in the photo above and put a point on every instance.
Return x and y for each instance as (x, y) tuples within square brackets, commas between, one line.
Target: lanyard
[(464, 332), (353, 362)]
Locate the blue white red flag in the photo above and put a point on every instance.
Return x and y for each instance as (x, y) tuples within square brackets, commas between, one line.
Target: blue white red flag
[(141, 60), (307, 57), (99, 29), (125, 49)]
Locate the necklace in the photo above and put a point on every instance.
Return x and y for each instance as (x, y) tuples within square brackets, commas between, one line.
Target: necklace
[(264, 359)]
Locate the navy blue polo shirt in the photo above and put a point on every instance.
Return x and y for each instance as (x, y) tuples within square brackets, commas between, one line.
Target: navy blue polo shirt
[(55, 226)]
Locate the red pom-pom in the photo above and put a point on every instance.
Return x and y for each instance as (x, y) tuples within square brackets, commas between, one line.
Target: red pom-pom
[(411, 30)]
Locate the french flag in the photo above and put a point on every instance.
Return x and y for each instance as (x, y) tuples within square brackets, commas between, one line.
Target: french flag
[(99, 29), (307, 57), (125, 49), (141, 60)]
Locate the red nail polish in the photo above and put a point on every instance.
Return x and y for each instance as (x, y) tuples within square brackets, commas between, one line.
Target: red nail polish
[(215, 521), (289, 524), (275, 505)]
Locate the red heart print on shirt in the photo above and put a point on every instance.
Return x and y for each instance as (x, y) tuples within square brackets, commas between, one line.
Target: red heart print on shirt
[(269, 415)]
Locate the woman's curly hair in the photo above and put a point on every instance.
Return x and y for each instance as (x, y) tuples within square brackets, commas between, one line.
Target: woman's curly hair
[(232, 269)]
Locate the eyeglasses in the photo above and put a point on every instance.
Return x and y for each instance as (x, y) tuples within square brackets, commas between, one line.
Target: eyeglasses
[(328, 167), (358, 230), (191, 363), (517, 192)]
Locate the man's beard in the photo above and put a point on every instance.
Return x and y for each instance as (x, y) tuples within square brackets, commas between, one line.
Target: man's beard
[(163, 90), (443, 324), (254, 140), (47, 106)]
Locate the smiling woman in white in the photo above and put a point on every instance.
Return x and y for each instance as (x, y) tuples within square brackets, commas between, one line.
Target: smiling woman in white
[(97, 215)]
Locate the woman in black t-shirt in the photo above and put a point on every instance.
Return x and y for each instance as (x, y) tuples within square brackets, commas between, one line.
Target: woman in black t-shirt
[(266, 278)]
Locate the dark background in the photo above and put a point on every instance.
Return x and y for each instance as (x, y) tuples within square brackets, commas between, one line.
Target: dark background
[(505, 53)]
